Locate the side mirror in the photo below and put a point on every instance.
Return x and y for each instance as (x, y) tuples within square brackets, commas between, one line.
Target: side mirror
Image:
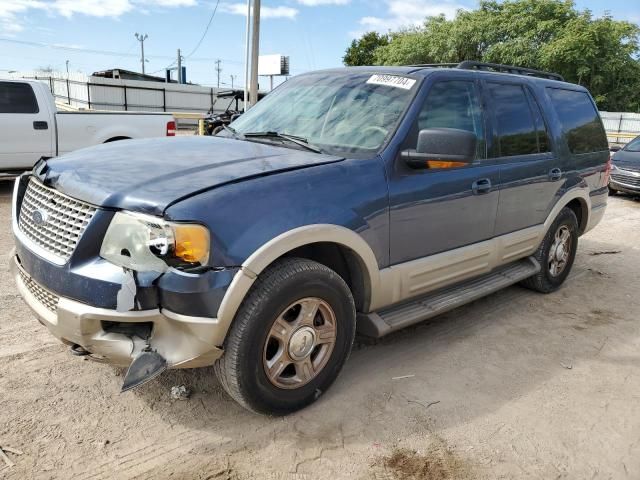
[(615, 148), (442, 148)]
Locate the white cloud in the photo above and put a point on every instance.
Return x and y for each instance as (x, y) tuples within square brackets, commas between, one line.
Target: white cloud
[(265, 12), (92, 8), (315, 3), (12, 10), (409, 13)]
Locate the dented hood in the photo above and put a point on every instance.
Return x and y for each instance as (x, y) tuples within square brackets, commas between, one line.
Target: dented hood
[(149, 175)]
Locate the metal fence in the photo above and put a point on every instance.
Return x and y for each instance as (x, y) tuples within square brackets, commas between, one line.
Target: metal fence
[(132, 95), (621, 126)]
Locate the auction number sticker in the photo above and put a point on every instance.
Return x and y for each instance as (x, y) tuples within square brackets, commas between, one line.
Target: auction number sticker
[(392, 81)]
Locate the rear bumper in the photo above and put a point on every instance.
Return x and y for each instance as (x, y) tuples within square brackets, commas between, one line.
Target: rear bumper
[(184, 341)]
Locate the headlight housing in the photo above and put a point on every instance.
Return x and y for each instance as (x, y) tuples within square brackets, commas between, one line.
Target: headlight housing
[(145, 243)]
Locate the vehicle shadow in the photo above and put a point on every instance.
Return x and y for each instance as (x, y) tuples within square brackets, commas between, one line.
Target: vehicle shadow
[(443, 373), (6, 187)]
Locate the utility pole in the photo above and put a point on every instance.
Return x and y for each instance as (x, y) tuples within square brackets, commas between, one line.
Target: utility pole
[(255, 52), (67, 62), (179, 67), (233, 79), (246, 58), (141, 39), (218, 70)]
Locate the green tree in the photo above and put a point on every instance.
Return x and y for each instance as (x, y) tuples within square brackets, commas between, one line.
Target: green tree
[(360, 52), (599, 53)]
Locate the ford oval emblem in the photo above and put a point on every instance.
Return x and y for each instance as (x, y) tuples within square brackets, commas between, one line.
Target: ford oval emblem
[(39, 217)]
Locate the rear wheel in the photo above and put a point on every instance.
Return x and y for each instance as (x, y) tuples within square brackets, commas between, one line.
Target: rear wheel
[(556, 253), (290, 338)]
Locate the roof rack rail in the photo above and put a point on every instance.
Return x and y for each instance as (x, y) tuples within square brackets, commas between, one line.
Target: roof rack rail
[(495, 67), (436, 65), (471, 65)]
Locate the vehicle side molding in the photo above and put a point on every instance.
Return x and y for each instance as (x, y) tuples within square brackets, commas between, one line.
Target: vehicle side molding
[(400, 283)]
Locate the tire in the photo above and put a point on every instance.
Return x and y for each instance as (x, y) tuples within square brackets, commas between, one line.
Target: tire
[(546, 281), (284, 293)]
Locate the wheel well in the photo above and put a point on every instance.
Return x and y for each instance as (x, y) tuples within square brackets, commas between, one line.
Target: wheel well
[(341, 260), (115, 139), (579, 208)]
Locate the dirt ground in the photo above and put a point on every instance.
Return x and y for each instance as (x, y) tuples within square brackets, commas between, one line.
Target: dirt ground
[(517, 385)]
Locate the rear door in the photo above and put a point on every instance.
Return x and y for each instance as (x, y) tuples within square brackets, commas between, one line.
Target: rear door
[(25, 127), (531, 175)]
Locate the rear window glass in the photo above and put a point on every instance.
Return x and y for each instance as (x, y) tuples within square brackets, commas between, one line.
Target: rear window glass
[(17, 98), (580, 120), (517, 132)]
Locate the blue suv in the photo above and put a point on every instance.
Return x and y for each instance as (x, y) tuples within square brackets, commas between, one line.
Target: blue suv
[(361, 199)]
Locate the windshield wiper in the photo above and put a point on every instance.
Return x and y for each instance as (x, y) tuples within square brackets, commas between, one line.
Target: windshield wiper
[(300, 141), (232, 131)]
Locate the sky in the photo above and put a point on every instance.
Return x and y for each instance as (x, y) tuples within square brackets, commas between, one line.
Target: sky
[(96, 35)]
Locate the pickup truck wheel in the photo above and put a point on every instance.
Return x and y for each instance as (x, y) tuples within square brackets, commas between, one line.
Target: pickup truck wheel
[(290, 338), (556, 254)]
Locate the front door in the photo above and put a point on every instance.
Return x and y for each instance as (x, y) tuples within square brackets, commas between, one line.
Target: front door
[(27, 133), (437, 210)]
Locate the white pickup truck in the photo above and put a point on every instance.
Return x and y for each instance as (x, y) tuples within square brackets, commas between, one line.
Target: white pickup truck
[(31, 126)]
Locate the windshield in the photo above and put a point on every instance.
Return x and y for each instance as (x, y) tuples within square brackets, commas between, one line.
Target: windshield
[(633, 145), (340, 113)]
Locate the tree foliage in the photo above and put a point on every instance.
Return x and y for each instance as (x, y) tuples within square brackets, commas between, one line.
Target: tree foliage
[(362, 50), (552, 35)]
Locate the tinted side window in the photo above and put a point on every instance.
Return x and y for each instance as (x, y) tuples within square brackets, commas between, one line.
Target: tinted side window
[(579, 119), (541, 129), (17, 98), (514, 121), (454, 104)]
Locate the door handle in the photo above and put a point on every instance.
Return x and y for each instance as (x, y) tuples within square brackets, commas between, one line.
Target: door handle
[(555, 174), (482, 186), (40, 125)]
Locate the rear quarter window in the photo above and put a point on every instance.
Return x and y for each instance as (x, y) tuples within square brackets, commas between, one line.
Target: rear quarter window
[(17, 98), (579, 119)]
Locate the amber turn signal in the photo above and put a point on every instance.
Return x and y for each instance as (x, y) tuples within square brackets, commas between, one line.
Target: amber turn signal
[(192, 243), (439, 164)]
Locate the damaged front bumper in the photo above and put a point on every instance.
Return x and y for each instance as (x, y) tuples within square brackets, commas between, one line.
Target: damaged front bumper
[(118, 337)]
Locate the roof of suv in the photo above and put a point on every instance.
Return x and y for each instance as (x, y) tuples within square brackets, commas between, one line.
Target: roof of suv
[(426, 70)]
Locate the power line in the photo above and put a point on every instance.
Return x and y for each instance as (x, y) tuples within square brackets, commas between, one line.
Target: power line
[(107, 52), (206, 30)]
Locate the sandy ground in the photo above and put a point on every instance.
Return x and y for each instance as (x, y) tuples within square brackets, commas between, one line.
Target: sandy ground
[(517, 385)]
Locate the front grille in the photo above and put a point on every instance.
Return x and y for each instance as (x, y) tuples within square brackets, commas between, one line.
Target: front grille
[(53, 221), (626, 179), (44, 296)]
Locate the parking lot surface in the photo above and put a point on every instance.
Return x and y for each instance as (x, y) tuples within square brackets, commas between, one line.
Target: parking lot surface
[(516, 385)]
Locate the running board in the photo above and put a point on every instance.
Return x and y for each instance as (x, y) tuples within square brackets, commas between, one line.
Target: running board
[(383, 322)]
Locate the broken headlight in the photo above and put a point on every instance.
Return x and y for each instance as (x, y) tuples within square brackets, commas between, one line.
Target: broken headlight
[(146, 243)]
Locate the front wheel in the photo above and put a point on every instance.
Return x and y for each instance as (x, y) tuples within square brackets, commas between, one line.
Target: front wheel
[(556, 254), (290, 338)]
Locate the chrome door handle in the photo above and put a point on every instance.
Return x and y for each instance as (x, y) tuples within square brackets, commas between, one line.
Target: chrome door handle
[(555, 174), (481, 186)]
